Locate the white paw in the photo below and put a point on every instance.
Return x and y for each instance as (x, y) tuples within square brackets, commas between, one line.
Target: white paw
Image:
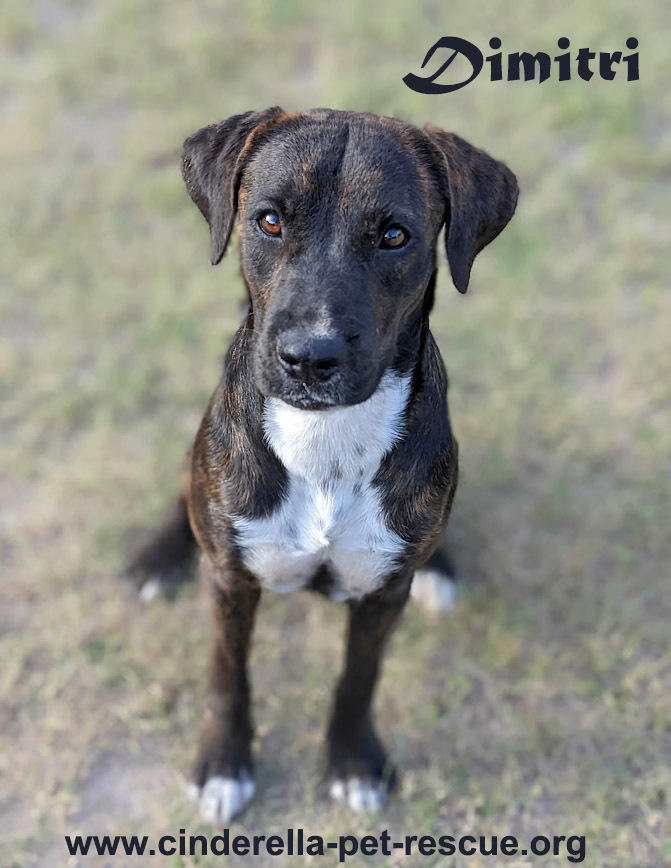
[(151, 589), (222, 799), (359, 794), (433, 591)]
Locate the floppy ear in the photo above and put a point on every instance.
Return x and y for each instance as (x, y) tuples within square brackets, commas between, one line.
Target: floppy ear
[(211, 163), (481, 195)]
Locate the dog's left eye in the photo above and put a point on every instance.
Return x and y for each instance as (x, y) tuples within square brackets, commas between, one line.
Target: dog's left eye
[(393, 238), (270, 224)]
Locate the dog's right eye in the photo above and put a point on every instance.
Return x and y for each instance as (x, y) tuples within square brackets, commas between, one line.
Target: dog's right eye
[(270, 224)]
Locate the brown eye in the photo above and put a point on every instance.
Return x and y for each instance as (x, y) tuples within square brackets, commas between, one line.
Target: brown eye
[(393, 237), (270, 224)]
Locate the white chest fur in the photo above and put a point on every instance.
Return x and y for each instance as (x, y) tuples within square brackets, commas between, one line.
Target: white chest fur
[(331, 514)]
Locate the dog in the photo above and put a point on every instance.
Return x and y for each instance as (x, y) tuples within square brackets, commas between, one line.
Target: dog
[(325, 460)]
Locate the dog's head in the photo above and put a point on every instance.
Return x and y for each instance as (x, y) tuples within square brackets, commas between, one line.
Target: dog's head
[(339, 214)]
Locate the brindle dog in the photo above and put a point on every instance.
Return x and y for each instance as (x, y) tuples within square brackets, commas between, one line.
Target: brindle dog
[(325, 459)]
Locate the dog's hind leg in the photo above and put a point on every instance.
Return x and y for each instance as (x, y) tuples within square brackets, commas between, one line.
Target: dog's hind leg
[(164, 560), (434, 585)]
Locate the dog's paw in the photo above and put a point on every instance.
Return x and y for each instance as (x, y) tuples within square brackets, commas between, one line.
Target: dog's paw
[(150, 586), (360, 775), (155, 586), (151, 589), (360, 795), (222, 799), (222, 780), (434, 591)]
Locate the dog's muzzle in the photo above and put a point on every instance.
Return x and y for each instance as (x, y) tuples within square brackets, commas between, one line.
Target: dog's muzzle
[(310, 359)]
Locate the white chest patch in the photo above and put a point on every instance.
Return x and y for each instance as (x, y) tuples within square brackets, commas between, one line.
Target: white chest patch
[(331, 515)]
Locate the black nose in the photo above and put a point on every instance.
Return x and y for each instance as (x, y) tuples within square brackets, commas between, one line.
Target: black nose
[(310, 358)]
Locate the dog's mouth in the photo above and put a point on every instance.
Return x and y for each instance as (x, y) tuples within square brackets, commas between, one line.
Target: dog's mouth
[(316, 396), (304, 396), (318, 388)]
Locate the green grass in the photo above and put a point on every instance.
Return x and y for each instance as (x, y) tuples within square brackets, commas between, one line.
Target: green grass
[(542, 706)]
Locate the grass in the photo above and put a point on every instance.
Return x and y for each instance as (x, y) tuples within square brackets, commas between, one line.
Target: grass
[(542, 705)]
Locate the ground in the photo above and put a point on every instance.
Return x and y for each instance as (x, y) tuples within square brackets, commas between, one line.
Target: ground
[(542, 705)]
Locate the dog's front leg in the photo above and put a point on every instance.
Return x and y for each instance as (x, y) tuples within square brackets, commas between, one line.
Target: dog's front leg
[(359, 772), (223, 780)]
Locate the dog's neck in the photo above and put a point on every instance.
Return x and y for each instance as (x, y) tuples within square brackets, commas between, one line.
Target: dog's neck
[(413, 335), (340, 443)]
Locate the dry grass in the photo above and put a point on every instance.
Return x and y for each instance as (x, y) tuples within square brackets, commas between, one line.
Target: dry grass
[(543, 704)]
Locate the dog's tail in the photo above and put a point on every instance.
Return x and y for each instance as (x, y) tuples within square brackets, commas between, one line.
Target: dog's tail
[(164, 561)]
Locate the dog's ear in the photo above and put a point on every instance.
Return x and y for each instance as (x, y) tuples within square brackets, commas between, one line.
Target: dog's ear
[(481, 195), (211, 163)]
